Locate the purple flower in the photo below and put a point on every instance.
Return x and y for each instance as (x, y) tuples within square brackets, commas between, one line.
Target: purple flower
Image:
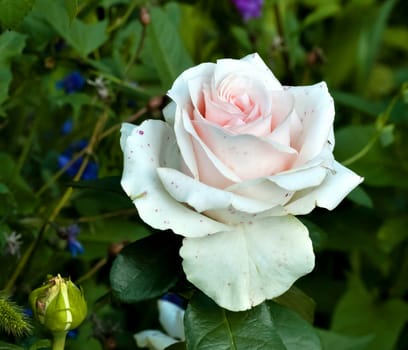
[(248, 8), (70, 234), (72, 82), (91, 170)]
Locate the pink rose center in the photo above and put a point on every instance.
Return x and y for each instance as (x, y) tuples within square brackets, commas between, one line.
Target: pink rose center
[(231, 104)]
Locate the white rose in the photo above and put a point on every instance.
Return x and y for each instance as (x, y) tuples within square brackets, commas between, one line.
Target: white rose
[(237, 157)]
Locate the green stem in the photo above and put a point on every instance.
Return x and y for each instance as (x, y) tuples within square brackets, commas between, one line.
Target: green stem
[(362, 152), (381, 124), (136, 55), (101, 263), (281, 32), (29, 253), (120, 21), (58, 342), (26, 149)]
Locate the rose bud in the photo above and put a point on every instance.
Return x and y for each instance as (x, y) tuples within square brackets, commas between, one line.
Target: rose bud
[(144, 16), (59, 305)]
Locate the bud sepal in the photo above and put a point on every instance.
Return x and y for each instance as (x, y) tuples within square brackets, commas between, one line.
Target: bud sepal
[(59, 305)]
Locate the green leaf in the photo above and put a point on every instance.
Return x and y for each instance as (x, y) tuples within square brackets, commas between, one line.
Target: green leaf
[(336, 341), (110, 183), (147, 268), (380, 166), (392, 233), (11, 45), (72, 8), (4, 189), (396, 37), (8, 346), (41, 344), (321, 13), (358, 103), (19, 190), (166, 48), (298, 301), (76, 100), (359, 196), (265, 327), (12, 12), (358, 313), (372, 36), (83, 37)]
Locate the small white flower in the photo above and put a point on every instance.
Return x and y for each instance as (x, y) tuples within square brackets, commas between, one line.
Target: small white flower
[(171, 317), (13, 243), (100, 86)]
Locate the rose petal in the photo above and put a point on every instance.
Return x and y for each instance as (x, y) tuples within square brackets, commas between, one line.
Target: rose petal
[(146, 148), (241, 269), (315, 108), (252, 66), (180, 93), (203, 197), (153, 339), (169, 113), (247, 156), (337, 185), (310, 174), (210, 169), (171, 317), (262, 189), (173, 115)]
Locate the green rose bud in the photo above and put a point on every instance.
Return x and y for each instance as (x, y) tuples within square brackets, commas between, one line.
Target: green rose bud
[(59, 305)]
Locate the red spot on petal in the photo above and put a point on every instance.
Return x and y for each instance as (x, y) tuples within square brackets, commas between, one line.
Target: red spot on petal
[(141, 132)]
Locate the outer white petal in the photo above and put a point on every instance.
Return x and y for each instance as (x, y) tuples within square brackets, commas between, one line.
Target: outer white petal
[(270, 80), (203, 197), (146, 148), (308, 175), (171, 317), (315, 108), (337, 184), (257, 261), (179, 92), (169, 113), (153, 340)]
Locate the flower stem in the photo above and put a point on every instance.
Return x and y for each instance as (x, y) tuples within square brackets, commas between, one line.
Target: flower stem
[(29, 253), (381, 124), (58, 342)]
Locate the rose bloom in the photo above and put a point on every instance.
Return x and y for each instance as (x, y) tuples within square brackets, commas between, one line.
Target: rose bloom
[(237, 157)]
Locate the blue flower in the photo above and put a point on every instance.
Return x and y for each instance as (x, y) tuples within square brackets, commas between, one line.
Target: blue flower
[(70, 234), (248, 8), (67, 127), (73, 333), (175, 299), (91, 170), (72, 82)]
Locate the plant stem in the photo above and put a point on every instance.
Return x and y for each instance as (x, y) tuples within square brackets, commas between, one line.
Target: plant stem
[(101, 263), (29, 253), (119, 22), (382, 120), (58, 342), (281, 33)]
